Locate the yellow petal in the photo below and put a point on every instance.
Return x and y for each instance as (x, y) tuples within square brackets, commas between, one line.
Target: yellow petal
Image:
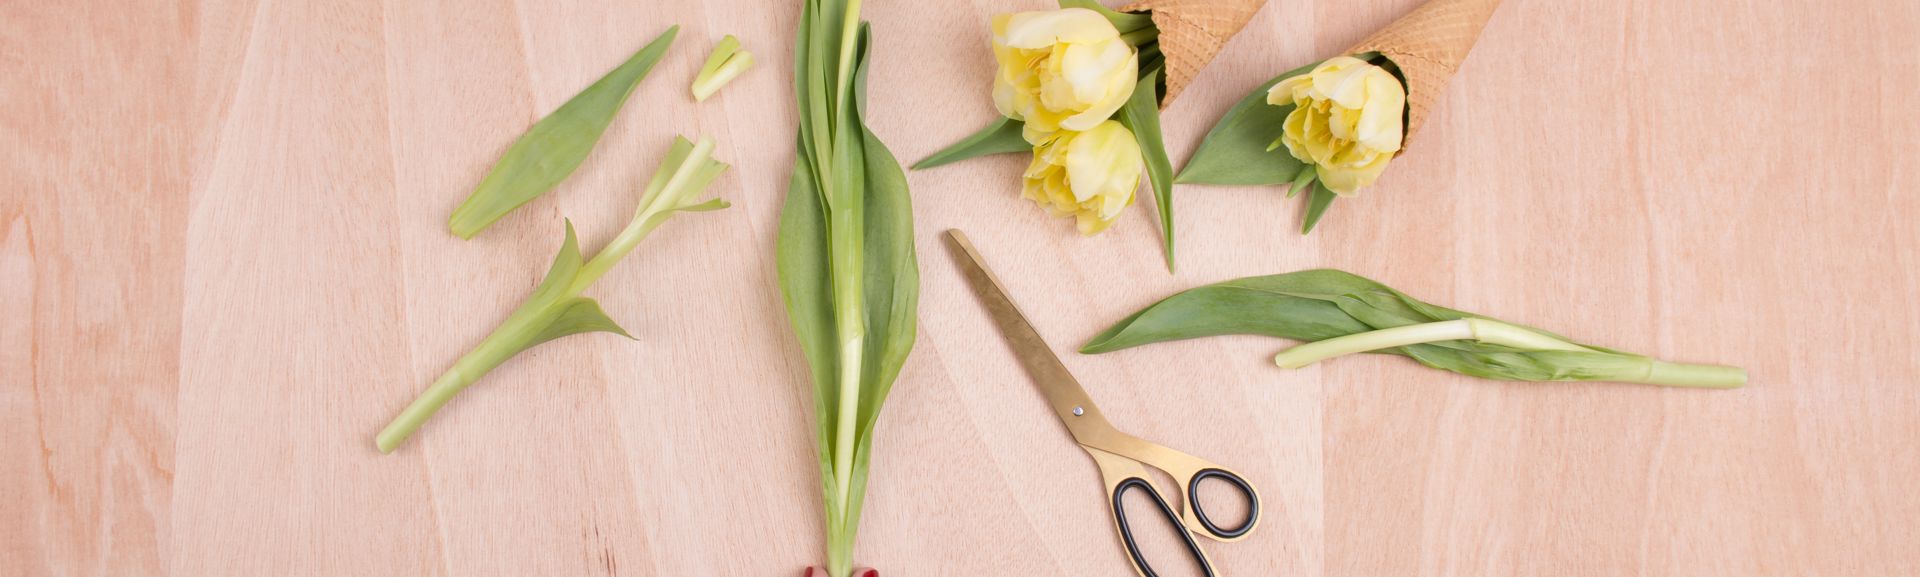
[(1283, 93), (1340, 121), (1104, 161), (1379, 125), (1342, 79), (1346, 180), (1090, 224), (1118, 86), (1090, 67), (1294, 133), (1049, 27), (1004, 94)]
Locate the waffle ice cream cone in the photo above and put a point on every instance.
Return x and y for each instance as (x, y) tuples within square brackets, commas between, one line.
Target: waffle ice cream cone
[(1429, 44), (1192, 32)]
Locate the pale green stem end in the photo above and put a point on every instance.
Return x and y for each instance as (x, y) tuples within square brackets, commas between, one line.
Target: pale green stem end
[(845, 419), (1701, 376), (495, 349), (849, 36), (416, 414), (706, 85)]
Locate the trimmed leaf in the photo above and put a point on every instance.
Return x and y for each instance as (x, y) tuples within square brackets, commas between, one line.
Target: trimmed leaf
[(1002, 136), (560, 274), (1235, 151), (1141, 114), (577, 315), (556, 145)]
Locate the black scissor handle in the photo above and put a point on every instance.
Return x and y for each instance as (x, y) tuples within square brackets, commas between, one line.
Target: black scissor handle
[(1126, 530), (1200, 513)]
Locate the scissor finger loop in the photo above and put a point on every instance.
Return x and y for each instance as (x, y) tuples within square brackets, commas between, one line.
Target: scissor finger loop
[(1166, 512), (1198, 510)]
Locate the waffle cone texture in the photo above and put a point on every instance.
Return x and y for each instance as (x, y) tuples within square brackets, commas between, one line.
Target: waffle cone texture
[(1192, 32), (1428, 45)]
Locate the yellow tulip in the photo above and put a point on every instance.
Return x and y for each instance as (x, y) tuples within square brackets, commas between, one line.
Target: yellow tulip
[(1062, 69), (1089, 175), (1346, 121)]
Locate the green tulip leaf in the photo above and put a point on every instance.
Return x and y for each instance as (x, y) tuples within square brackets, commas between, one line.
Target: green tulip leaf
[(1141, 114), (1317, 204), (556, 145), (577, 315), (1002, 136)]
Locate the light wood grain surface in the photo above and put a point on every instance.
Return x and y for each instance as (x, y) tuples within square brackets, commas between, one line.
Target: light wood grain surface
[(224, 266)]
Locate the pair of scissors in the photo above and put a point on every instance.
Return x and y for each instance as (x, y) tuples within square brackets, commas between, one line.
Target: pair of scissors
[(1123, 459)]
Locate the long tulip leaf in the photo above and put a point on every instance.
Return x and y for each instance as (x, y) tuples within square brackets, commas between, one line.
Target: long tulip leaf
[(556, 145), (1141, 115)]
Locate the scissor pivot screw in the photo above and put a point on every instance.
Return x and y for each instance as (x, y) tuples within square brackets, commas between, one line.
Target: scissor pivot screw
[(1077, 411)]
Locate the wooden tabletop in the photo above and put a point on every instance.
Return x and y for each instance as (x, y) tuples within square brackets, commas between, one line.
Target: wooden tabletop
[(224, 265)]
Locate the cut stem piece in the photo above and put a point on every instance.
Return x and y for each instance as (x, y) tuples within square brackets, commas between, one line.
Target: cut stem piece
[(726, 63)]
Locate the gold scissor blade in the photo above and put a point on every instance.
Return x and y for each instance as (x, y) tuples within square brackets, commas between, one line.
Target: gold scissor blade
[(1070, 401)]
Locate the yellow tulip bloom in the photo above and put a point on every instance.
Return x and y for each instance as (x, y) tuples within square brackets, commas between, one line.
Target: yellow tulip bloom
[(1089, 175), (1347, 121), (1062, 69)]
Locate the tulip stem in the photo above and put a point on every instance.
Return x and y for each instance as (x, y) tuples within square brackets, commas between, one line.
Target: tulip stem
[(1144, 39), (1487, 331)]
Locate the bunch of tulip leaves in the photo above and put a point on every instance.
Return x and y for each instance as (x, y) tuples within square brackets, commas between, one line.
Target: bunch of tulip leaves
[(845, 258), (1339, 313), (540, 159), (1241, 149), (1140, 114)]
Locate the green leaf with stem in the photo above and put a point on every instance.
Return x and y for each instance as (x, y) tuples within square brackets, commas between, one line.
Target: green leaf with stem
[(556, 309), (845, 258), (1141, 115), (726, 63), (556, 145), (1003, 136), (1340, 313)]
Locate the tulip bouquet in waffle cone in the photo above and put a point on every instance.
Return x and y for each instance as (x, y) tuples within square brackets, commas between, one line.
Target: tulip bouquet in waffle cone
[(1332, 127), (1081, 87)]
